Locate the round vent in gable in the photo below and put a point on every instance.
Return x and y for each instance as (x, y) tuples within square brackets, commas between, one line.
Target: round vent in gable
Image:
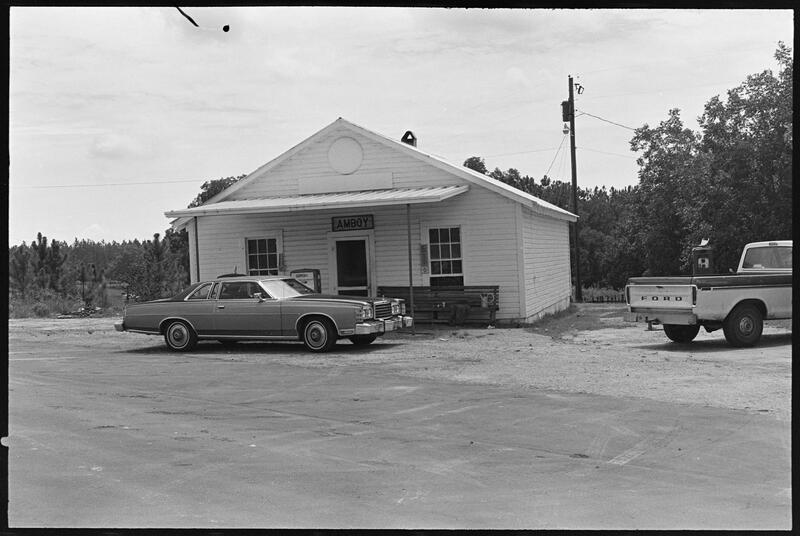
[(345, 155)]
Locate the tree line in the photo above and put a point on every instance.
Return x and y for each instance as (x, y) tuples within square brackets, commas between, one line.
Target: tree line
[(53, 276), (730, 181)]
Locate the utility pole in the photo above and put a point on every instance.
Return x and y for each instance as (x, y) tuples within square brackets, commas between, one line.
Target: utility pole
[(568, 114)]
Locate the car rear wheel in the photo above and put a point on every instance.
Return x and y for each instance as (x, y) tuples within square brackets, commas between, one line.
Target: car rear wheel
[(180, 337), (681, 334), (744, 325), (363, 340), (319, 335)]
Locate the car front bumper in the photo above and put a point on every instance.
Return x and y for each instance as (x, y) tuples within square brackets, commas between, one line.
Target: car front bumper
[(381, 326)]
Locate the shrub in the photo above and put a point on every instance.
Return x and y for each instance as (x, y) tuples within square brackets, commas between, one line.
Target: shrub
[(597, 294), (41, 303)]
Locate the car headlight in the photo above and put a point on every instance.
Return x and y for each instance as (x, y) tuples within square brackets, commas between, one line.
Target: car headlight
[(364, 313)]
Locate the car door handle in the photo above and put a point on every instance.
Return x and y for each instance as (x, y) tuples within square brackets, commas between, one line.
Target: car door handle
[(220, 307)]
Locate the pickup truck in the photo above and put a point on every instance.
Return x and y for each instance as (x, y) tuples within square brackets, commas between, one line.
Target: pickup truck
[(737, 302)]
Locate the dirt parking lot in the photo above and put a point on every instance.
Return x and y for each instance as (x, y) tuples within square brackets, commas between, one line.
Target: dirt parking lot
[(566, 424)]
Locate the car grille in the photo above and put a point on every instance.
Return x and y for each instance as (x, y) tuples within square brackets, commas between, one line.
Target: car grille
[(383, 309)]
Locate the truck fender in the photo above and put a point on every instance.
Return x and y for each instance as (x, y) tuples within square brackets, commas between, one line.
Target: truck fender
[(760, 305)]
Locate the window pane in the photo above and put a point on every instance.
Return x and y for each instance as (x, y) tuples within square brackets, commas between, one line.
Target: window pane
[(433, 235), (455, 234), (436, 268), (445, 251), (455, 251), (446, 267), (435, 252), (252, 247), (444, 235), (201, 293), (456, 267), (272, 246)]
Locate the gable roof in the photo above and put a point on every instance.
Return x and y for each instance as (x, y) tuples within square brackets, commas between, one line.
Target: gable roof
[(534, 203)]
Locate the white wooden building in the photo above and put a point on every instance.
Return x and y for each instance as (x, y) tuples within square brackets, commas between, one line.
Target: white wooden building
[(355, 204)]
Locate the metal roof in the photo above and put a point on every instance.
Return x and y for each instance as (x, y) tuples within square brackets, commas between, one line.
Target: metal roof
[(370, 198)]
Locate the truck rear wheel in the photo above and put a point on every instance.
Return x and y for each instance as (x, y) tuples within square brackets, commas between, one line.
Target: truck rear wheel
[(679, 333), (743, 326)]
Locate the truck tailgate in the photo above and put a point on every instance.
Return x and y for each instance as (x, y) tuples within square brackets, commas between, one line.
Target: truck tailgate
[(650, 296)]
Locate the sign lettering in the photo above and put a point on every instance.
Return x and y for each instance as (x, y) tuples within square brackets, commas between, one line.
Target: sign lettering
[(352, 223)]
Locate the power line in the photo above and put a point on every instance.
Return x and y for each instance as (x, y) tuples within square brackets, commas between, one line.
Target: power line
[(606, 152), (523, 152), (556, 155), (104, 184), (606, 120)]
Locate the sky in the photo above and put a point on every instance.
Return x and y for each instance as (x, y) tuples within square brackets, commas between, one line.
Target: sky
[(117, 115)]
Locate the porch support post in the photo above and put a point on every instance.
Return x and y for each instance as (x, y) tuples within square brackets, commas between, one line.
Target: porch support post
[(196, 250), (410, 271)]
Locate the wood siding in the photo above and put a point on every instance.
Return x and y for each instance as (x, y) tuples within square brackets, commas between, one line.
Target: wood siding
[(548, 281), (312, 162)]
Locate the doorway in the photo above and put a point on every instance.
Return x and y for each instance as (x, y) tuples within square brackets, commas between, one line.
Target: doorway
[(352, 275)]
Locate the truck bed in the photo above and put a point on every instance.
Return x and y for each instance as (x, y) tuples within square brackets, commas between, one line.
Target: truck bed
[(717, 281)]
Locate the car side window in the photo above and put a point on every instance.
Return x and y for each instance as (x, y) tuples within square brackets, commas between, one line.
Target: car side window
[(201, 293), (239, 290)]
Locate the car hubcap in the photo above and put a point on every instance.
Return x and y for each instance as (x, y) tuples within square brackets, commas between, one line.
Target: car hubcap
[(746, 325), (177, 335), (316, 335)]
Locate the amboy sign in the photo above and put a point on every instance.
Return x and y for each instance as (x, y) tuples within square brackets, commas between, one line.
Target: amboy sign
[(353, 223)]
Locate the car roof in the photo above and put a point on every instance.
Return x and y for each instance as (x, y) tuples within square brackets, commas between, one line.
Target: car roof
[(250, 278), (771, 243)]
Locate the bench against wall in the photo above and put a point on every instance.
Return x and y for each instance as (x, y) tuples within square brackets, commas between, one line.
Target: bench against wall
[(456, 305)]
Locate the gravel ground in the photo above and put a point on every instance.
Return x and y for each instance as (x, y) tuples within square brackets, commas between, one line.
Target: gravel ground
[(589, 349)]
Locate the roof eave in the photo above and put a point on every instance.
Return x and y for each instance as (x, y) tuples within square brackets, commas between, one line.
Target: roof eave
[(216, 210)]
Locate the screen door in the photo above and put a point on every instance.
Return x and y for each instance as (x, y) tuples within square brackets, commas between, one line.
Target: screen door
[(352, 274)]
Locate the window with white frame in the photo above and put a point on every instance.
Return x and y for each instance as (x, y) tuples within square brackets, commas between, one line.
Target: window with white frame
[(445, 257), (262, 256)]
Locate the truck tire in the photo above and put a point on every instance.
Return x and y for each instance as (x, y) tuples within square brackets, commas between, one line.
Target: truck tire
[(681, 334), (743, 326)]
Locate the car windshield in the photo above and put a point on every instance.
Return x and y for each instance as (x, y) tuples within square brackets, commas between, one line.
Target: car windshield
[(285, 288)]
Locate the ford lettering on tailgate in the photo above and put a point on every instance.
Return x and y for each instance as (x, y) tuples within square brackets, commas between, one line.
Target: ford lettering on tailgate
[(661, 296)]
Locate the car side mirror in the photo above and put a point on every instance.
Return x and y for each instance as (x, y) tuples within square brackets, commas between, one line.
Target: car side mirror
[(259, 297)]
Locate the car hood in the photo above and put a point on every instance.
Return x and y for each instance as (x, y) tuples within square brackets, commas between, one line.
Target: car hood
[(357, 300)]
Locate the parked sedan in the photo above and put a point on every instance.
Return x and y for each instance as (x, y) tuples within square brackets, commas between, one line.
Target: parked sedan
[(263, 308)]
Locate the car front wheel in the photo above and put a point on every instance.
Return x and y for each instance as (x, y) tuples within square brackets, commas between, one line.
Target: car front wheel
[(319, 335), (180, 337)]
